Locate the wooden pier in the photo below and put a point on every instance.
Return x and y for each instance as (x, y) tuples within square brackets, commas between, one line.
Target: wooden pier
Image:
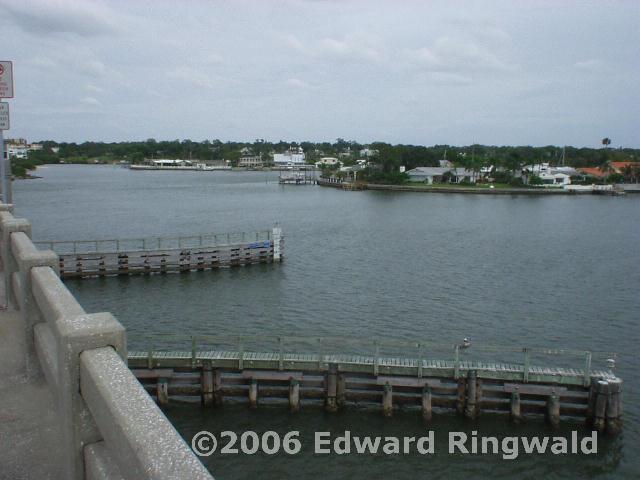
[(297, 176), (144, 256), (215, 373)]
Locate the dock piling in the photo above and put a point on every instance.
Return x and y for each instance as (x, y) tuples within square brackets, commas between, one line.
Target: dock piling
[(207, 385), (614, 407), (341, 392), (387, 400), (253, 393), (599, 414), (515, 407), (426, 403), (553, 410), (294, 395), (470, 410), (461, 395), (331, 404), (163, 391), (217, 387)]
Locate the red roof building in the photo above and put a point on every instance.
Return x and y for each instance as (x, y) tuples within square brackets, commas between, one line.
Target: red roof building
[(593, 171)]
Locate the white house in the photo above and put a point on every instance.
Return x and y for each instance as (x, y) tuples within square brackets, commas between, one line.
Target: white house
[(428, 175), (293, 156), (368, 152), (459, 175), (17, 151), (555, 179), (432, 175), (550, 176), (328, 161)]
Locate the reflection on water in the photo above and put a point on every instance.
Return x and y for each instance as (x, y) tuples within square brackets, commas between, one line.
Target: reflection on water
[(369, 422)]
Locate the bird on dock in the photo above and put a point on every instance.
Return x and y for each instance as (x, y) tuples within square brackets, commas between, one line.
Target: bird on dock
[(466, 343)]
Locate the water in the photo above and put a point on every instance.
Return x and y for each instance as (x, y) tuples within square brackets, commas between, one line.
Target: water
[(506, 270)]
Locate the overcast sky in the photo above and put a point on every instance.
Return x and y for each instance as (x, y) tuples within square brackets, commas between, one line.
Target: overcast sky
[(424, 72)]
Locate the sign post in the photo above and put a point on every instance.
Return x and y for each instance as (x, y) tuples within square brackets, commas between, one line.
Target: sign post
[(6, 91)]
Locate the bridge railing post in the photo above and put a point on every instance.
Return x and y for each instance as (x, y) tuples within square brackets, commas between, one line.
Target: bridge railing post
[(27, 257), (9, 225)]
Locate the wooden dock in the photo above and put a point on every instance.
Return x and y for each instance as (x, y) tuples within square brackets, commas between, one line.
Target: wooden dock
[(297, 177), (144, 256), (462, 384)]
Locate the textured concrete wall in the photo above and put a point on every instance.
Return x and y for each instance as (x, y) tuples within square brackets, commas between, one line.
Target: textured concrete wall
[(110, 427)]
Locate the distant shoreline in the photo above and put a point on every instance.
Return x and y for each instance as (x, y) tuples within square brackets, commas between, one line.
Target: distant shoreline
[(467, 190)]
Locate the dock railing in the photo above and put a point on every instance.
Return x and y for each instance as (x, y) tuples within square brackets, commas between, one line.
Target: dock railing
[(324, 350), (64, 247), (110, 427)]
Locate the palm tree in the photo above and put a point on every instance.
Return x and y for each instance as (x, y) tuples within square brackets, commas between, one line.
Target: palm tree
[(605, 167), (605, 163)]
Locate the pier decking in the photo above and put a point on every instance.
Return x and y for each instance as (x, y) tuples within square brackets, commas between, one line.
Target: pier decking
[(466, 382), (143, 256)]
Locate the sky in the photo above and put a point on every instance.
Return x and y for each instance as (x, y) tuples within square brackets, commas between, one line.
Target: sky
[(425, 72)]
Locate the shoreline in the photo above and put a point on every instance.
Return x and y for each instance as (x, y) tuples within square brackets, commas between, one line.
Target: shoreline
[(466, 190)]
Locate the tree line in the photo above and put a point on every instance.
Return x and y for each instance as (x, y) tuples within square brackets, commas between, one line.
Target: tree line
[(388, 159)]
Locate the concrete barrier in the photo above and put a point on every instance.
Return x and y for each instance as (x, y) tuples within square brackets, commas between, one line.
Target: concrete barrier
[(111, 428)]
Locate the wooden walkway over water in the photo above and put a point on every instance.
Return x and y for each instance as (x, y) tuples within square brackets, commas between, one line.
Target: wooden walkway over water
[(143, 256), (468, 382)]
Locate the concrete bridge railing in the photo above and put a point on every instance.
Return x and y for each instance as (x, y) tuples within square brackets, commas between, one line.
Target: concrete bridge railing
[(110, 426)]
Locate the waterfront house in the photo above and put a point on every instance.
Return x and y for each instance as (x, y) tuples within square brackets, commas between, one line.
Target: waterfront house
[(431, 175), (428, 175), (593, 172), (17, 151), (329, 162), (555, 179), (461, 175), (292, 157), (250, 161), (550, 176)]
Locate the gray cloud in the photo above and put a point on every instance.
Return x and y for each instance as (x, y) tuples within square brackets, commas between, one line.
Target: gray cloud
[(415, 72), (78, 17)]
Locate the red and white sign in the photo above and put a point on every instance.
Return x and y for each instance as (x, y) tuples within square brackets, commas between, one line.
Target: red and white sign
[(6, 79)]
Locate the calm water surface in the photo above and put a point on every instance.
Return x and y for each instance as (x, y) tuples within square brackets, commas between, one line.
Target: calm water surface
[(506, 270)]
